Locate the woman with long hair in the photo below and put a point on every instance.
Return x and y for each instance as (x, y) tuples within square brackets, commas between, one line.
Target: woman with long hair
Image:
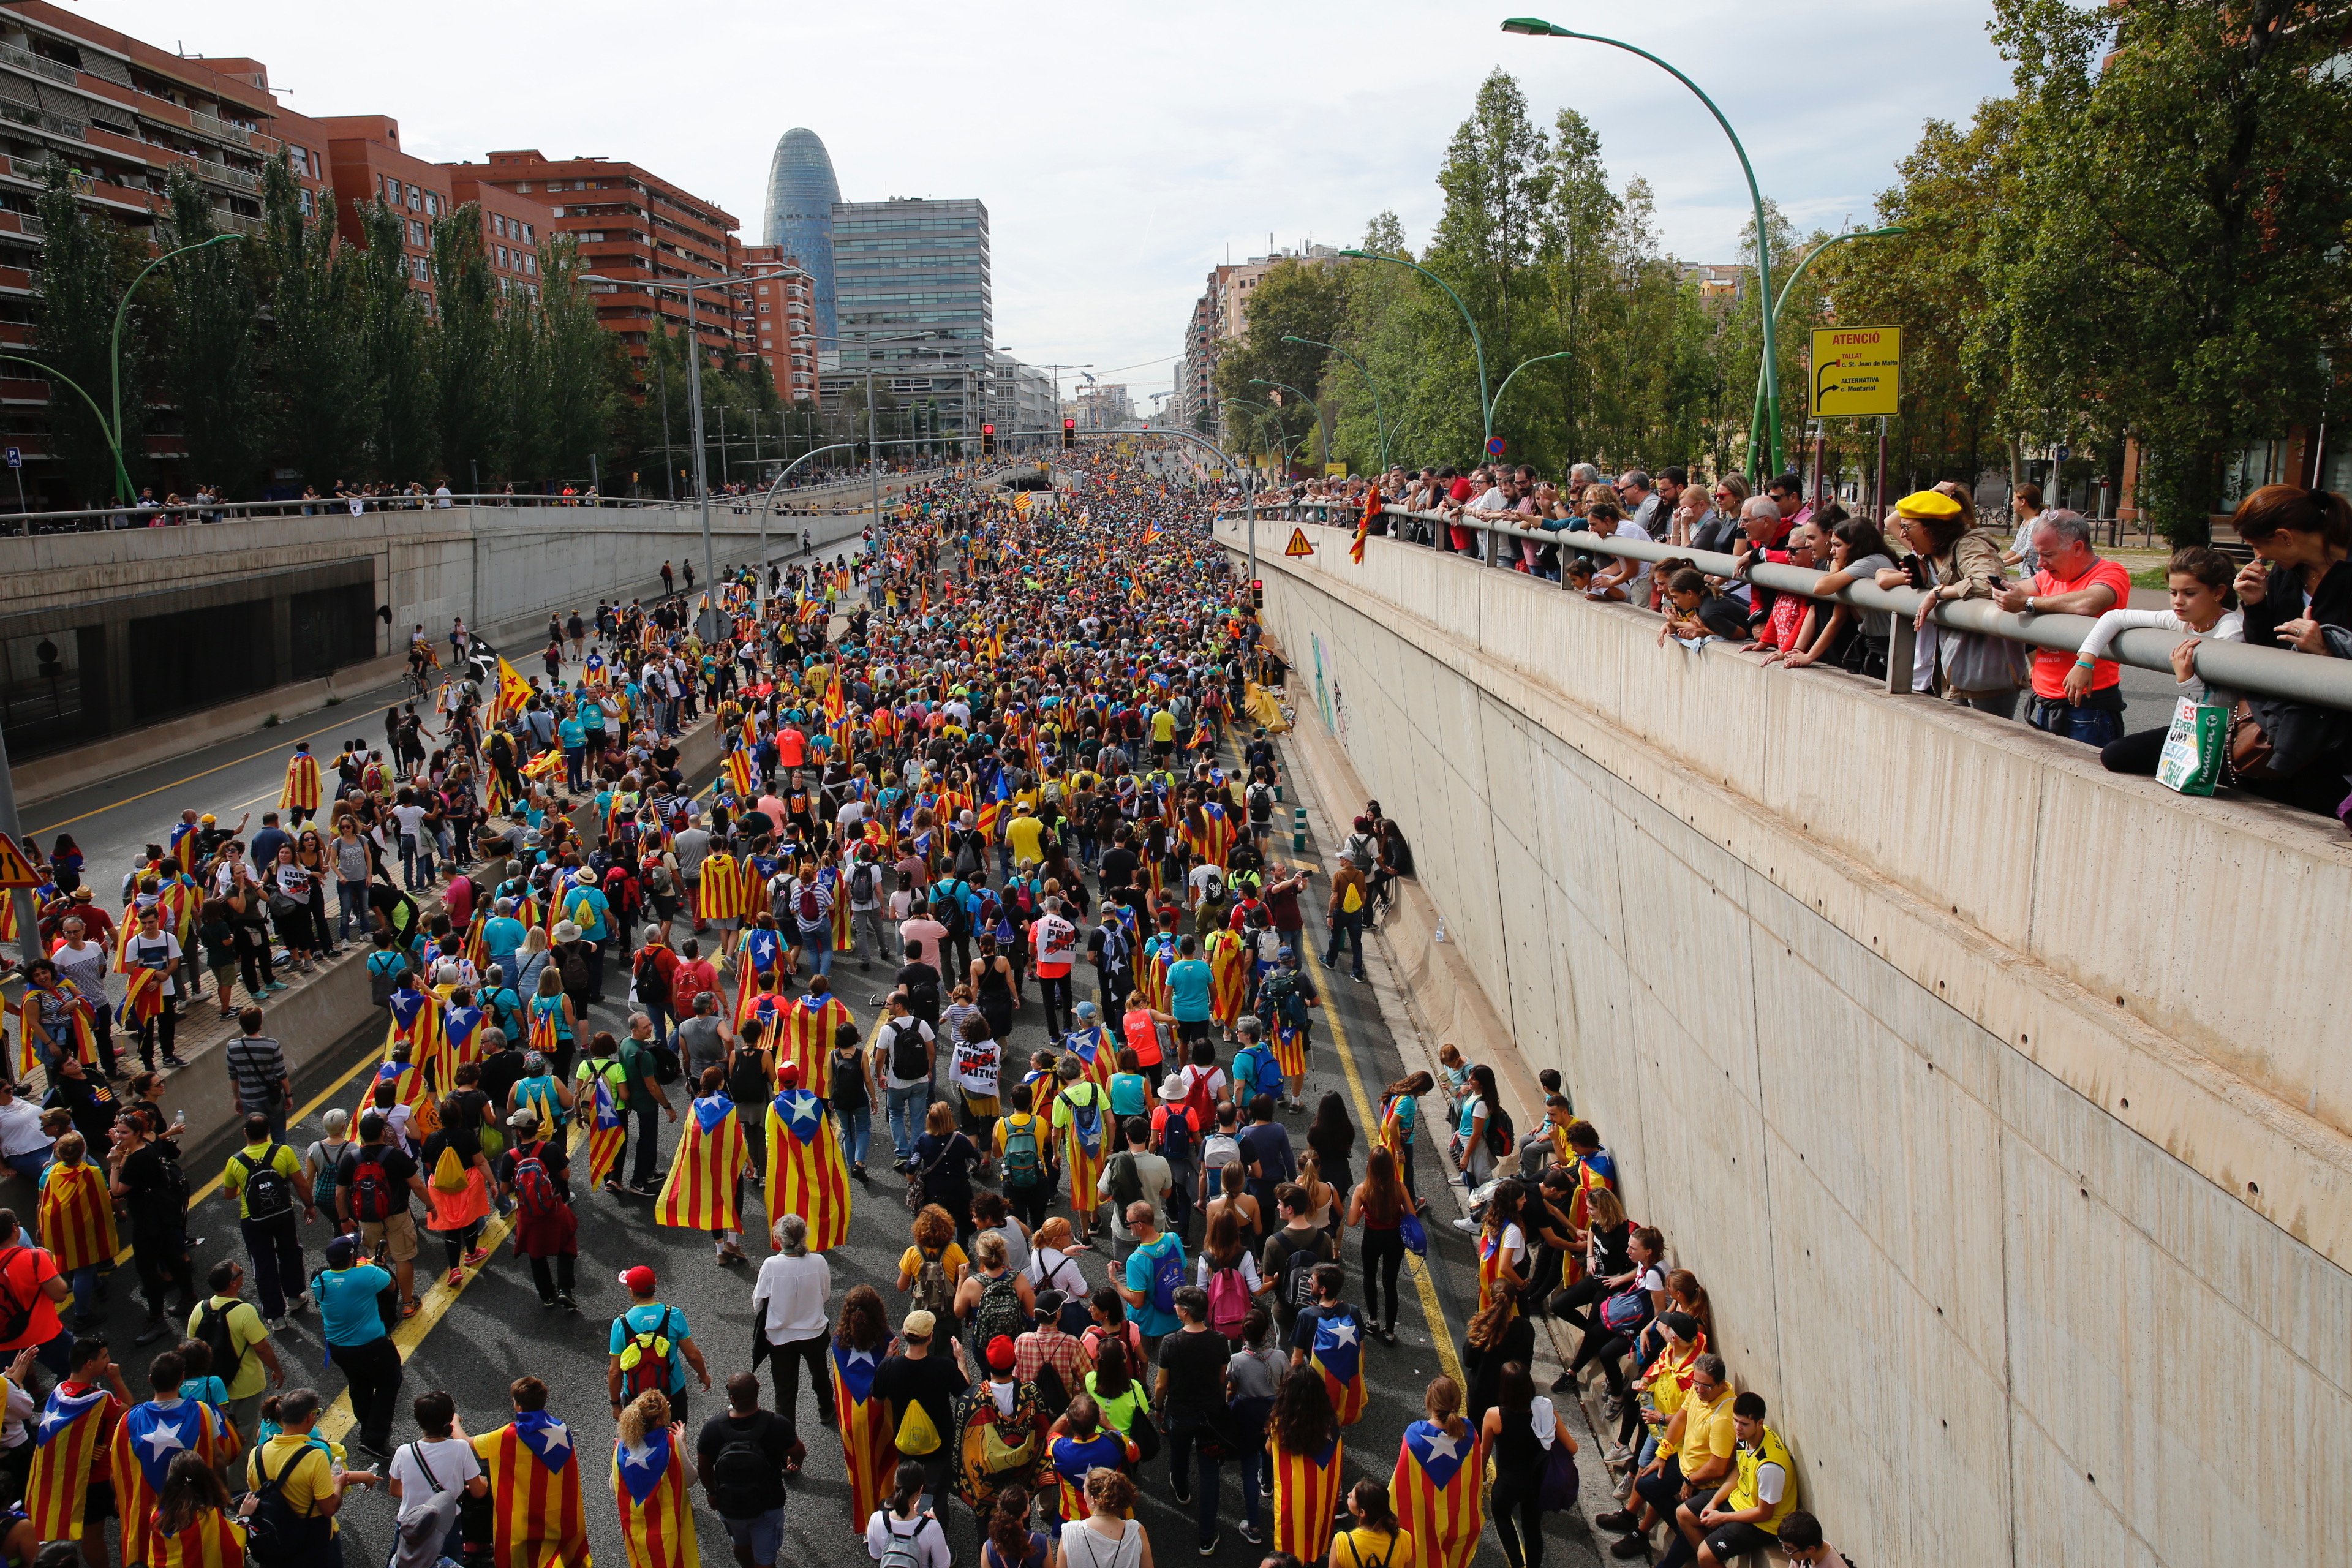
[(1223, 1251), (651, 1478), (1332, 1136), (1117, 1393), (1234, 1200), (1302, 1438), (907, 1519), (1474, 1159), (1521, 1432), (860, 1336), (1499, 1333), (1399, 1122), (1379, 1204), (1438, 1480), (1607, 1342), (1010, 1542), (1501, 1246), (1376, 1539), (1108, 1537), (191, 1527)]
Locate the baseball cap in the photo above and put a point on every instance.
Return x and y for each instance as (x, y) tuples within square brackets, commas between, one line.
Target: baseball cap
[(640, 1280), (918, 1323), (1288, 952), (1086, 1010), (209, 816), (342, 1251), (1049, 1303)]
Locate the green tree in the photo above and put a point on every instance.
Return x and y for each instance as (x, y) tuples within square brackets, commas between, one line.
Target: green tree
[(318, 404), (211, 349), (2172, 262), (586, 368), (87, 261), (393, 330), (1293, 298), (473, 396)]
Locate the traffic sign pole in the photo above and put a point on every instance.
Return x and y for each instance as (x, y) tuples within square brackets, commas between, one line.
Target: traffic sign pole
[(16, 466)]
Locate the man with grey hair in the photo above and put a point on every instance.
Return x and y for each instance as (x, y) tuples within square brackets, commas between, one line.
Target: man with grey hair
[(790, 1320), (2074, 581), (1641, 500), (1582, 474)]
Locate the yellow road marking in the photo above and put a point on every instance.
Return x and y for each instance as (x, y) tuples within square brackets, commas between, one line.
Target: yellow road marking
[(286, 743)]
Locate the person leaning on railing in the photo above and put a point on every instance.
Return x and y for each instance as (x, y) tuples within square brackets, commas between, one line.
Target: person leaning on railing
[(2297, 594), (2197, 581), (1950, 562)]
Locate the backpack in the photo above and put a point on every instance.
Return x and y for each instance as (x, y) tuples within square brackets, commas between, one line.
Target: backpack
[(371, 1185), (1265, 1074), (275, 1533), (1175, 1142), (948, 908), (16, 1311), (1352, 900), (644, 1357), (1229, 1302), (384, 971), (1201, 1099), (900, 1550), (1283, 998), (810, 913), (1626, 1310), (1125, 1182), (534, 1188), (212, 1326), (741, 1473), (1023, 1166), (933, 1294), (861, 883), (268, 1193), (1500, 1134), (999, 1311), (647, 978), (967, 855), (1024, 898), (1086, 1121), (449, 1171), (1167, 1275), (906, 1058), (575, 971), (1298, 1270)]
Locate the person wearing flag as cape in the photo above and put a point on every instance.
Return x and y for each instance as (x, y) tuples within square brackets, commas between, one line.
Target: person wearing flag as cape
[(1082, 1116), (808, 1175), (69, 1489), (651, 1475), (532, 1479), (149, 1438), (1438, 1487), (1302, 1438), (298, 799), (53, 1022), (705, 1188), (861, 1336), (1094, 1048), (192, 1524), (1328, 1337), (77, 1221), (810, 1022)]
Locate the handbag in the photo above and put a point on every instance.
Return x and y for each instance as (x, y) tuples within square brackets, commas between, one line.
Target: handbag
[(1561, 1480), (1145, 1435), (1981, 662), (2249, 747), (2195, 748)]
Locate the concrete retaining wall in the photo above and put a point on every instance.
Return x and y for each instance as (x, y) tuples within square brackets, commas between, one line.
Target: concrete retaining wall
[(2002, 1103)]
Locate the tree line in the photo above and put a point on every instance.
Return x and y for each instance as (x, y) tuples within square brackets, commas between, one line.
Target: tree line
[(2142, 245)]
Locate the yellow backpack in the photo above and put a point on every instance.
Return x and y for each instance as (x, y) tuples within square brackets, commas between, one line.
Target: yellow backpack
[(448, 1172), (1353, 899), (917, 1433)]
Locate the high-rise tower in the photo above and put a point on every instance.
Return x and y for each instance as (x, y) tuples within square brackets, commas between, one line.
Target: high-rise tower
[(802, 191)]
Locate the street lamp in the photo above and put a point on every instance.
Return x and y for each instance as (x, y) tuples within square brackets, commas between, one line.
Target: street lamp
[(1891, 231), (1536, 27), (1477, 344), (1379, 421), (1564, 354), (1256, 381)]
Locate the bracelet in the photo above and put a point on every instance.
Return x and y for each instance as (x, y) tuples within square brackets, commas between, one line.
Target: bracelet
[(2084, 661)]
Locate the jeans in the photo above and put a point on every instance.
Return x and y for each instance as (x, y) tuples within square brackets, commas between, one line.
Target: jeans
[(1207, 1479), (409, 861), (907, 1108), (354, 905), (856, 1130), (862, 923), (276, 1248), (658, 1015), (572, 757), (648, 1141), (84, 1281), (1351, 927), (819, 953), (374, 1373), (2092, 726)]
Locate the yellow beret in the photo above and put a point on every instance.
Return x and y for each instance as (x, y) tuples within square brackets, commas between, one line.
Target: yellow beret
[(1930, 506)]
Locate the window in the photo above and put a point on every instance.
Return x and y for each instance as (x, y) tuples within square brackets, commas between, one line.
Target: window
[(416, 232), (530, 264), (502, 256), (498, 225), (302, 196), (421, 270), (763, 307), (432, 205)]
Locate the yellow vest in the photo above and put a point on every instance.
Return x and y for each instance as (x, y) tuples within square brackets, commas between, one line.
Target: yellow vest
[(1768, 1450)]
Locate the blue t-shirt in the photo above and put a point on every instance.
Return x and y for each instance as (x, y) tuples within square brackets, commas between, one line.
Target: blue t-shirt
[(502, 935), (1188, 990), (591, 928), (648, 1318), (347, 1302), (1142, 1265), (1408, 1115), (1127, 1094), (571, 734)]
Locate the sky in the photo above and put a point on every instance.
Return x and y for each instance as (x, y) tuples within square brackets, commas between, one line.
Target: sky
[(1124, 149)]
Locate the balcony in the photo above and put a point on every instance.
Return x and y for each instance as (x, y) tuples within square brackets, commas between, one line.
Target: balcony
[(41, 119), (235, 135), (26, 61)]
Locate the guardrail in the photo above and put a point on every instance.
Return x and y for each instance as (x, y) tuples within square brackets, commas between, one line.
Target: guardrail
[(100, 519), (2231, 666)]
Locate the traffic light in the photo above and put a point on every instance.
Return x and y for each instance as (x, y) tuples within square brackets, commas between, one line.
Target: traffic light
[(988, 441), (1258, 593), (1069, 434)]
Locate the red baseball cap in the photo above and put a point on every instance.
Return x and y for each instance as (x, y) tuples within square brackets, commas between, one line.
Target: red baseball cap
[(640, 1280)]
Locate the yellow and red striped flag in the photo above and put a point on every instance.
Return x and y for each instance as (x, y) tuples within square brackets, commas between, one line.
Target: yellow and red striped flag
[(707, 1172), (739, 774), (65, 1442), (657, 1516), (1436, 1494), (212, 1540), (77, 1216), (544, 766), (1306, 1498), (719, 894), (606, 1130), (301, 791), (810, 1022), (863, 1420), (536, 1516), (806, 1174), (145, 1441)]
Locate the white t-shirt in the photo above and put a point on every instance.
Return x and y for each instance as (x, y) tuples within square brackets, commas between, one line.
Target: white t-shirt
[(451, 1461), (793, 1291), (161, 951), (891, 1032), (1055, 942), (408, 817), (931, 1540), (1247, 1266)]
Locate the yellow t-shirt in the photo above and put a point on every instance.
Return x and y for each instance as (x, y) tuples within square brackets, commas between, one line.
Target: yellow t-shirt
[(287, 1162), (246, 1327), (1025, 834), (309, 1478), (1707, 1430), (911, 1263), (1362, 1548), (1163, 725)]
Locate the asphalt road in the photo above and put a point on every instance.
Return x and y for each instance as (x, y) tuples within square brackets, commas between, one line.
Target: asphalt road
[(472, 1340)]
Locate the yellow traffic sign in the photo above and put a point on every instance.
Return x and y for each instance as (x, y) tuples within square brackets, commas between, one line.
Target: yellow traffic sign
[(1857, 371), (1297, 546), (15, 870)]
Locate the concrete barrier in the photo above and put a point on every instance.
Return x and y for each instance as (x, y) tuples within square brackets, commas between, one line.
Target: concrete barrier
[(2003, 1104)]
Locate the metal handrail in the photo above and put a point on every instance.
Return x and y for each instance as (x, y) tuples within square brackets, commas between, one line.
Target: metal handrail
[(2231, 666)]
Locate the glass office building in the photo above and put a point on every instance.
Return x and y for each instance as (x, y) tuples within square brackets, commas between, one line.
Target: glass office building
[(904, 268), (802, 195)]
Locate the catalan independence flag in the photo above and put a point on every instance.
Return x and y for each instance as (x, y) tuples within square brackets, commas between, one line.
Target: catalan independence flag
[(1436, 1494), (1306, 1498), (705, 1176), (1228, 974), (77, 1216), (301, 791), (537, 1520), (64, 1444), (606, 1131), (657, 1515), (145, 1441), (212, 1540), (182, 846), (1338, 1352), (806, 1174), (719, 894), (863, 1421), (739, 774), (810, 1024)]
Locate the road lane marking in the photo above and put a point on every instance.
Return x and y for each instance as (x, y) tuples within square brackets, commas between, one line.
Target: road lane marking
[(342, 724)]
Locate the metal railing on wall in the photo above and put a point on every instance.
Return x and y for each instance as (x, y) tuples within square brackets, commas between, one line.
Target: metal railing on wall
[(2230, 665)]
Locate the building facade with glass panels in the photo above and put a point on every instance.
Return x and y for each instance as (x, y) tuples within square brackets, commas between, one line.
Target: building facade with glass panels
[(802, 195), (911, 278)]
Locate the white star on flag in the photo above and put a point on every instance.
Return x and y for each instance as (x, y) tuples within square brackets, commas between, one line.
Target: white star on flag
[(53, 1419), (1343, 1332), (164, 1438), (555, 1437), (1444, 1445), (638, 1458)]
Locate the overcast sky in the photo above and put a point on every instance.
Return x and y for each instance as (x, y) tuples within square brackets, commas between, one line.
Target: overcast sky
[(1124, 149)]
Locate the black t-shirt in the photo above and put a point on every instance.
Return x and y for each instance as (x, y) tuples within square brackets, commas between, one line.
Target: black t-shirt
[(922, 984), (159, 1189), (771, 1435), (933, 1383), (1119, 866), (550, 1155), (501, 1070), (1195, 1365), (398, 1167)]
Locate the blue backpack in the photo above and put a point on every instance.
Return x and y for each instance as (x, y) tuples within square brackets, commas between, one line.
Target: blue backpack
[(1167, 1275), (1263, 1073), (1086, 1121)]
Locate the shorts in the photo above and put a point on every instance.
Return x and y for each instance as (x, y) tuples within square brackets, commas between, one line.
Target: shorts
[(1729, 1542), (760, 1535), (1195, 1029), (97, 1503), (399, 1227)]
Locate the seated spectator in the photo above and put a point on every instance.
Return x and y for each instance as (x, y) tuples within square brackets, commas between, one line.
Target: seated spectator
[(1622, 578)]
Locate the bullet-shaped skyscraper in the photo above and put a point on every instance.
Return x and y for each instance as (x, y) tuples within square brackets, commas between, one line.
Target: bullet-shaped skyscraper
[(801, 191)]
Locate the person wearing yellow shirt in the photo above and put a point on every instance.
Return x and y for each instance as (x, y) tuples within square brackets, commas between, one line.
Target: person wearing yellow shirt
[(310, 1490), (1027, 835), (1374, 1540), (1746, 1512), (1693, 1457), (1163, 734)]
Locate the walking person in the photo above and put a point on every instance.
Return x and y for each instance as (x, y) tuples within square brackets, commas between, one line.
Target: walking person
[(1380, 1205), (359, 1340), (743, 1455), (1520, 1432), (265, 1180), (790, 1320)]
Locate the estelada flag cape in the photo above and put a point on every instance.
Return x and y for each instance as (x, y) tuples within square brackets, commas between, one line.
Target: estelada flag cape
[(77, 1216), (607, 1132), (1338, 1352), (707, 1170), (809, 1025), (806, 1174), (537, 1521), (300, 792), (212, 1540), (1436, 1492), (657, 1515), (145, 1441), (865, 1437), (64, 1441), (1306, 1498)]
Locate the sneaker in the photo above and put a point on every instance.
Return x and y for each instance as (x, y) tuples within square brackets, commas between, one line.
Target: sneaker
[(1624, 1490), (456, 1277), (563, 1300), (1466, 1226), (173, 1062), (155, 1329), (649, 1190), (275, 1325), (1209, 1547), (1251, 1533), (1182, 1486), (1630, 1547), (477, 1257), (303, 1303), (1616, 1454), (1563, 1383), (547, 1303), (1619, 1520)]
